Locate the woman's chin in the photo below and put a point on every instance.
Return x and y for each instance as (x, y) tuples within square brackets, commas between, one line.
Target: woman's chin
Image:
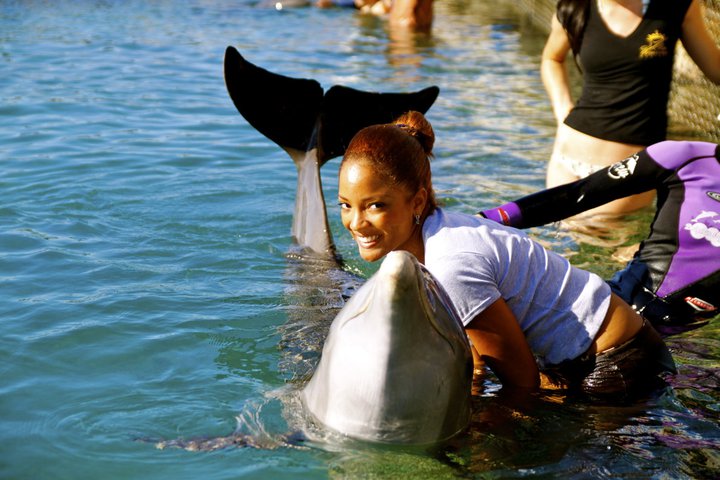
[(372, 254)]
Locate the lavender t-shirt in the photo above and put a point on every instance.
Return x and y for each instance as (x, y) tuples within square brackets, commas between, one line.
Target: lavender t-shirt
[(560, 308)]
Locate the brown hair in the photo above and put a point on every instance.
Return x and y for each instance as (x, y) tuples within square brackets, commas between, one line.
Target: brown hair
[(573, 16), (399, 151)]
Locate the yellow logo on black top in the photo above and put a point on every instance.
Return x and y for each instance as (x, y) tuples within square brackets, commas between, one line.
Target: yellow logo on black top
[(655, 46)]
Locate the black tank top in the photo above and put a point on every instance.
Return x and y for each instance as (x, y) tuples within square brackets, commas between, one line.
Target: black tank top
[(626, 81)]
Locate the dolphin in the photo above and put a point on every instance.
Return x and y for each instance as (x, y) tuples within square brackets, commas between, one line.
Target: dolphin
[(396, 366)]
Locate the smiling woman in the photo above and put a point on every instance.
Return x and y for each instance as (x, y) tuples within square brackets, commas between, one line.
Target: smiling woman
[(543, 316), (377, 214)]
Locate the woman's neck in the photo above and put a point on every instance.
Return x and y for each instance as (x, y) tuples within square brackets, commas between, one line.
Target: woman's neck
[(638, 7), (415, 244), (621, 17)]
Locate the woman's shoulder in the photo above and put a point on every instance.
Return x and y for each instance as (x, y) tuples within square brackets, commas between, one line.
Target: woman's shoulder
[(451, 224), (448, 222), (674, 154), (455, 232)]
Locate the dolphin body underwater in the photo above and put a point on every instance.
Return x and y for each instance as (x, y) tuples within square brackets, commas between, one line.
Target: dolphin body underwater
[(396, 366)]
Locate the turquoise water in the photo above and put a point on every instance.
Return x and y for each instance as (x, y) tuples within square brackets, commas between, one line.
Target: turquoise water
[(145, 291)]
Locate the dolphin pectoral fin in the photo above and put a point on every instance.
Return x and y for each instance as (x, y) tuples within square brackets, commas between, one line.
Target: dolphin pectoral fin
[(284, 109), (346, 111)]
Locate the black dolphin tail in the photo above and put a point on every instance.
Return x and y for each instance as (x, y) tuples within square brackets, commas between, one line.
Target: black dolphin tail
[(283, 109), (295, 114), (346, 111)]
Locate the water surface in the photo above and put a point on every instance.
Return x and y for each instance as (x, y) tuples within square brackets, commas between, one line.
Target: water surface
[(145, 290)]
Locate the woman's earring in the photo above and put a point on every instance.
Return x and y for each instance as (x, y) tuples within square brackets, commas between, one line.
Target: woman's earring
[(417, 219)]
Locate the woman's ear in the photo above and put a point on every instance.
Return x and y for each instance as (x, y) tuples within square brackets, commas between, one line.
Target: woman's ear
[(420, 201)]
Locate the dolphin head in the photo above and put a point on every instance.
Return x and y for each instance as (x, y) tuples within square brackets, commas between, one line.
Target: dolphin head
[(396, 366)]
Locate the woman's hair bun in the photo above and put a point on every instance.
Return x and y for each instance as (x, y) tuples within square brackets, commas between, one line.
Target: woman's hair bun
[(417, 126)]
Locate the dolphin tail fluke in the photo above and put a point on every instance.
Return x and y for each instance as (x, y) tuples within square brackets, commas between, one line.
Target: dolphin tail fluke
[(295, 114), (346, 111), (283, 109)]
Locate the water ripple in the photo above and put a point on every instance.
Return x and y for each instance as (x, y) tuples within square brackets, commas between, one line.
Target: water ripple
[(145, 286)]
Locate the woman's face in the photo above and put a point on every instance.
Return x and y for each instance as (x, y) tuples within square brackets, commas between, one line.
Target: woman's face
[(379, 214)]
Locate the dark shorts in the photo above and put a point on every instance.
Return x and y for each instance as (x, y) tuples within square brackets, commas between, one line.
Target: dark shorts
[(633, 368)]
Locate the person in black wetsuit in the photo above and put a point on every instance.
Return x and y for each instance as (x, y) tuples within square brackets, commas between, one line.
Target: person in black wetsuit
[(674, 278)]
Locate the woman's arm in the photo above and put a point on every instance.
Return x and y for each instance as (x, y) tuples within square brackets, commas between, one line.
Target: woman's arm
[(553, 71), (699, 43), (636, 174), (498, 339)]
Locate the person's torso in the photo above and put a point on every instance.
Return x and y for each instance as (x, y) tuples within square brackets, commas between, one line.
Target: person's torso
[(559, 308), (626, 80)]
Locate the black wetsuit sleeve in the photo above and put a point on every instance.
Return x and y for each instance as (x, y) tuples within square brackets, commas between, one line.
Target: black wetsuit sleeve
[(636, 174)]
